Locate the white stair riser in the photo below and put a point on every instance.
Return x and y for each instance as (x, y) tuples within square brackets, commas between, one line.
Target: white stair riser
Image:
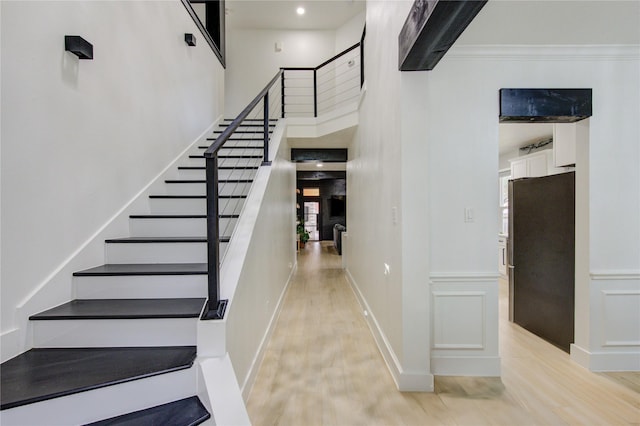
[(234, 188), (114, 332), (192, 206), (242, 148), (225, 188), (191, 174), (156, 253), (186, 188), (105, 402), (140, 287), (230, 206), (176, 227), (226, 162)]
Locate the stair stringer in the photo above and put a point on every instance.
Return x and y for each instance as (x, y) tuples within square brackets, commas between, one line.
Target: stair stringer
[(58, 287), (219, 353)]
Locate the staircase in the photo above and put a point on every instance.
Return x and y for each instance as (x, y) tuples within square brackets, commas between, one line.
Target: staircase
[(124, 350)]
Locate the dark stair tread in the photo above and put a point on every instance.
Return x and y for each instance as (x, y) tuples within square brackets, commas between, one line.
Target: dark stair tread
[(261, 139), (147, 240), (184, 412), (134, 240), (220, 168), (204, 181), (41, 374), (180, 216), (250, 119), (260, 123), (236, 147), (256, 132), (178, 197), (229, 156), (83, 309), (118, 269)]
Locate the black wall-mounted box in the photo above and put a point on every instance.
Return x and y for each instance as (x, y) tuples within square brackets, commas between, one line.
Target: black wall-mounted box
[(545, 105), (78, 46)]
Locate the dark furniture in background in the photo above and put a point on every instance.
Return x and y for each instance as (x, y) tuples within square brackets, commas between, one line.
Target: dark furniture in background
[(337, 236)]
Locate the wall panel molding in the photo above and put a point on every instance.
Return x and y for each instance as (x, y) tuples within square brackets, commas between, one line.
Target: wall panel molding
[(464, 318), (448, 334)]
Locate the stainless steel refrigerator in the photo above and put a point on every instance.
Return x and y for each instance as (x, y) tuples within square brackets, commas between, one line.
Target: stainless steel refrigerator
[(542, 256)]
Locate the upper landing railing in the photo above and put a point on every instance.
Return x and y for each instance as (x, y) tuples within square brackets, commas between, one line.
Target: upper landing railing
[(292, 92), (309, 92)]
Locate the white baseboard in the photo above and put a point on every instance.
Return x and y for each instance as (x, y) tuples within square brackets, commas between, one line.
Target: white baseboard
[(605, 361), (257, 359), (406, 381)]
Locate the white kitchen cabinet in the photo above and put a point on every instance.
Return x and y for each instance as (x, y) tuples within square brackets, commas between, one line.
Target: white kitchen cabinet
[(519, 169), (564, 144), (532, 165)]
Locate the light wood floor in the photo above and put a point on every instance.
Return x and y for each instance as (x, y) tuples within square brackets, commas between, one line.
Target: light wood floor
[(322, 367)]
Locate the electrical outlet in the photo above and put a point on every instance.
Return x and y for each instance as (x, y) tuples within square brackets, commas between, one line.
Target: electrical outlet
[(469, 215)]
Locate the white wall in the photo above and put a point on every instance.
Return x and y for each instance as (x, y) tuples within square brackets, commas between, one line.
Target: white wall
[(382, 221), (427, 145), (350, 33), (267, 269), (464, 160), (81, 138), (252, 60)]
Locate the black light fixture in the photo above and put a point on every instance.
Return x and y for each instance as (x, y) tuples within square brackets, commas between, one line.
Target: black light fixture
[(78, 46), (190, 39)]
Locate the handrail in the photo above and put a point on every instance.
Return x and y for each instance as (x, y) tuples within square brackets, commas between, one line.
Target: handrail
[(220, 140), (344, 52), (215, 307)]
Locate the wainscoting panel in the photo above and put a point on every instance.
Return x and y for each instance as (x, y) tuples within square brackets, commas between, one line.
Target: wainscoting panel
[(464, 324), (454, 331), (617, 330), (615, 323)]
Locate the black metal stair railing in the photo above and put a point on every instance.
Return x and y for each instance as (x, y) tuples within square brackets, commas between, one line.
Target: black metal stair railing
[(307, 92), (335, 82), (215, 307)]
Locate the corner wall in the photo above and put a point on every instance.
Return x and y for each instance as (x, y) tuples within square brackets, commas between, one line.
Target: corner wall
[(386, 223), (462, 169), (80, 139)]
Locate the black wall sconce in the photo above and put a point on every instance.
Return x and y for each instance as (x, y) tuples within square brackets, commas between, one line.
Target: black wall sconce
[(190, 39), (78, 46)]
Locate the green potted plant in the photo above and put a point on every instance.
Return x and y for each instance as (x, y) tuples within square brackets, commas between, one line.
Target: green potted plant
[(302, 233)]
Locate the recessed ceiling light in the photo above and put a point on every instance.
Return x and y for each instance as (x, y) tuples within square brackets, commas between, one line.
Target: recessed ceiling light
[(319, 165), (300, 11)]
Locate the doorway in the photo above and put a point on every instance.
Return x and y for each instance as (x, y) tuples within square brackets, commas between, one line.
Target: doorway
[(541, 205), (312, 218)]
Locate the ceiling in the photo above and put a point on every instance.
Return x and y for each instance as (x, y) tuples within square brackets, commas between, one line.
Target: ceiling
[(557, 22), (267, 14), (515, 135)]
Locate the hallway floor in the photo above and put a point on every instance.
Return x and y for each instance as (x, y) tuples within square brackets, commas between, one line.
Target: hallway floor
[(322, 367)]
